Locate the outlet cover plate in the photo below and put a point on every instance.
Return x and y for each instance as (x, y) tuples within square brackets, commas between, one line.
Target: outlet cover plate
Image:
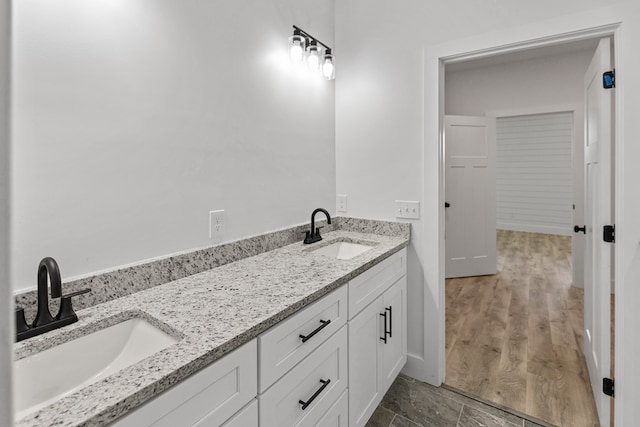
[(216, 225), (341, 203)]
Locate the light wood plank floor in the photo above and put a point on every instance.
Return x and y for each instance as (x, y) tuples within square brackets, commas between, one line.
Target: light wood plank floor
[(515, 338)]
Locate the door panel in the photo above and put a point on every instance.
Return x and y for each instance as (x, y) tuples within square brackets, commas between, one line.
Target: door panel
[(597, 320), (470, 189)]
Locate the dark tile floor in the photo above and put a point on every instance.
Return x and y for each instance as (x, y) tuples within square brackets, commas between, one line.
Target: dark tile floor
[(411, 403)]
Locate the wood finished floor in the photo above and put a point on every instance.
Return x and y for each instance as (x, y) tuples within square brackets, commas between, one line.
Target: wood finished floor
[(515, 338)]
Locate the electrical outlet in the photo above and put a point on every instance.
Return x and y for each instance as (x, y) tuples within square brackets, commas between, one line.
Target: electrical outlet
[(407, 209), (341, 203), (216, 225)]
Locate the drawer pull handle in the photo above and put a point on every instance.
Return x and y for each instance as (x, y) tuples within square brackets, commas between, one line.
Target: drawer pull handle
[(390, 332), (318, 391), (306, 338), (384, 336)]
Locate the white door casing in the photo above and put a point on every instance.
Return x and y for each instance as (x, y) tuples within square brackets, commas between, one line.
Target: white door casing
[(597, 289), (470, 191)]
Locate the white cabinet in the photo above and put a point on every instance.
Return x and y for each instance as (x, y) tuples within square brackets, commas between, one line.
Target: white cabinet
[(246, 417), (208, 398), (338, 414), (377, 339), (305, 394), (329, 365), (394, 351), (286, 344)]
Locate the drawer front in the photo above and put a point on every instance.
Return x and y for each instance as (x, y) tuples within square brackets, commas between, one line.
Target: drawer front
[(368, 286), (281, 405), (209, 397), (283, 346), (338, 414), (247, 417)]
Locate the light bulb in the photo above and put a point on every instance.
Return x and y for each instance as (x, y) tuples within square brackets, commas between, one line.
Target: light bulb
[(296, 51), (328, 69), (313, 56)]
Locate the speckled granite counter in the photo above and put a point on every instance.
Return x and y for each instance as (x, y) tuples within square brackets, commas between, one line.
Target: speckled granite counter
[(213, 312)]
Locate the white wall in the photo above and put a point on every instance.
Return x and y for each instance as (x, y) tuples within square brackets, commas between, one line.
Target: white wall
[(133, 119), (6, 306), (540, 82), (387, 106), (534, 173)]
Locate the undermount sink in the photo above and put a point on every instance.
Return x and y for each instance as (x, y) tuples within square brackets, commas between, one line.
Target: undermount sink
[(343, 250), (44, 377)]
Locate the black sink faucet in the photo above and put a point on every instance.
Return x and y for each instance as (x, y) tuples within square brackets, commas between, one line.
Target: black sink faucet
[(313, 235), (48, 271), (48, 267)]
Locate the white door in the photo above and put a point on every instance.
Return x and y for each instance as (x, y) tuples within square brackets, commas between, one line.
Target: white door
[(470, 196), (598, 190)]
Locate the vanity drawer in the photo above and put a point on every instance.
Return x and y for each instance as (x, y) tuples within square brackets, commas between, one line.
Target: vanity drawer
[(247, 417), (283, 346), (209, 397), (368, 286), (338, 414), (307, 382)]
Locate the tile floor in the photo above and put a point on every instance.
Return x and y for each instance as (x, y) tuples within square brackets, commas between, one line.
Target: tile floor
[(411, 403)]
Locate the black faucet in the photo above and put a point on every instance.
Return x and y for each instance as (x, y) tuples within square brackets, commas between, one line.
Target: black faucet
[(313, 235), (48, 271)]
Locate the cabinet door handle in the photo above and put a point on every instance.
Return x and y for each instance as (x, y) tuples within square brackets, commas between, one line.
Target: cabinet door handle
[(390, 321), (312, 398), (384, 336), (306, 338)]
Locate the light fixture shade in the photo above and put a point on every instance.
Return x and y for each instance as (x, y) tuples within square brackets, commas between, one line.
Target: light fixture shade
[(328, 66), (313, 56), (296, 49)]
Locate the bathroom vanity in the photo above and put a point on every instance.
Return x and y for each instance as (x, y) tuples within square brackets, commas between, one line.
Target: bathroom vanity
[(298, 335)]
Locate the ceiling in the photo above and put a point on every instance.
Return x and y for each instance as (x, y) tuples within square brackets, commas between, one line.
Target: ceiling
[(523, 55)]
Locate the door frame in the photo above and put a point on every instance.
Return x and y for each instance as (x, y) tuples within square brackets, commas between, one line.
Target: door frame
[(434, 60)]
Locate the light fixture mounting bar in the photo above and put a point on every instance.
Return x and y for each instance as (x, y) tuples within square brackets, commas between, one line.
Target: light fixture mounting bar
[(304, 33)]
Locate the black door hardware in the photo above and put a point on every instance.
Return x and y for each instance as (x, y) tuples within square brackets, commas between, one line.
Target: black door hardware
[(384, 336), (609, 233), (447, 204), (390, 321), (608, 387), (312, 398), (324, 323), (577, 229)]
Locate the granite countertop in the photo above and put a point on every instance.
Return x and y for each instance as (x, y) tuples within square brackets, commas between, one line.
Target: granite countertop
[(213, 313)]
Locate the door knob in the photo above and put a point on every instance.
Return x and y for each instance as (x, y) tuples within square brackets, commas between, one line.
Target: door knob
[(446, 204), (577, 229)]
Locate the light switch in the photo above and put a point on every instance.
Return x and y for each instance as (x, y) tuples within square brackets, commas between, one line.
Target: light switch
[(407, 209)]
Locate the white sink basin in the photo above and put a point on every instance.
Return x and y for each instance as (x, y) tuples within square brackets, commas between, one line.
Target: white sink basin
[(343, 250), (42, 378)]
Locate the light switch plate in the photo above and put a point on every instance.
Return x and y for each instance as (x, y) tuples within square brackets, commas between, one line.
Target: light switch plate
[(407, 209), (341, 203)]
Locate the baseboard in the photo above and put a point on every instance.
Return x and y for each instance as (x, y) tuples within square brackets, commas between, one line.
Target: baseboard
[(415, 368)]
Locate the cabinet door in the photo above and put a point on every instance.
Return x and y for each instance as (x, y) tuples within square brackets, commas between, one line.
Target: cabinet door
[(365, 381), (394, 352)]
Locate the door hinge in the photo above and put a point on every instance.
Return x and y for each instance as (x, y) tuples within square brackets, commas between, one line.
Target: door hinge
[(608, 387), (609, 233), (609, 79)]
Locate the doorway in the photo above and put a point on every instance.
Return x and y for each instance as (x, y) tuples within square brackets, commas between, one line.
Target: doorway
[(515, 338)]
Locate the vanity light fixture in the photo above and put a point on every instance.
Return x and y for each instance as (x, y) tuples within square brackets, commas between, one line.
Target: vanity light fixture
[(303, 47)]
